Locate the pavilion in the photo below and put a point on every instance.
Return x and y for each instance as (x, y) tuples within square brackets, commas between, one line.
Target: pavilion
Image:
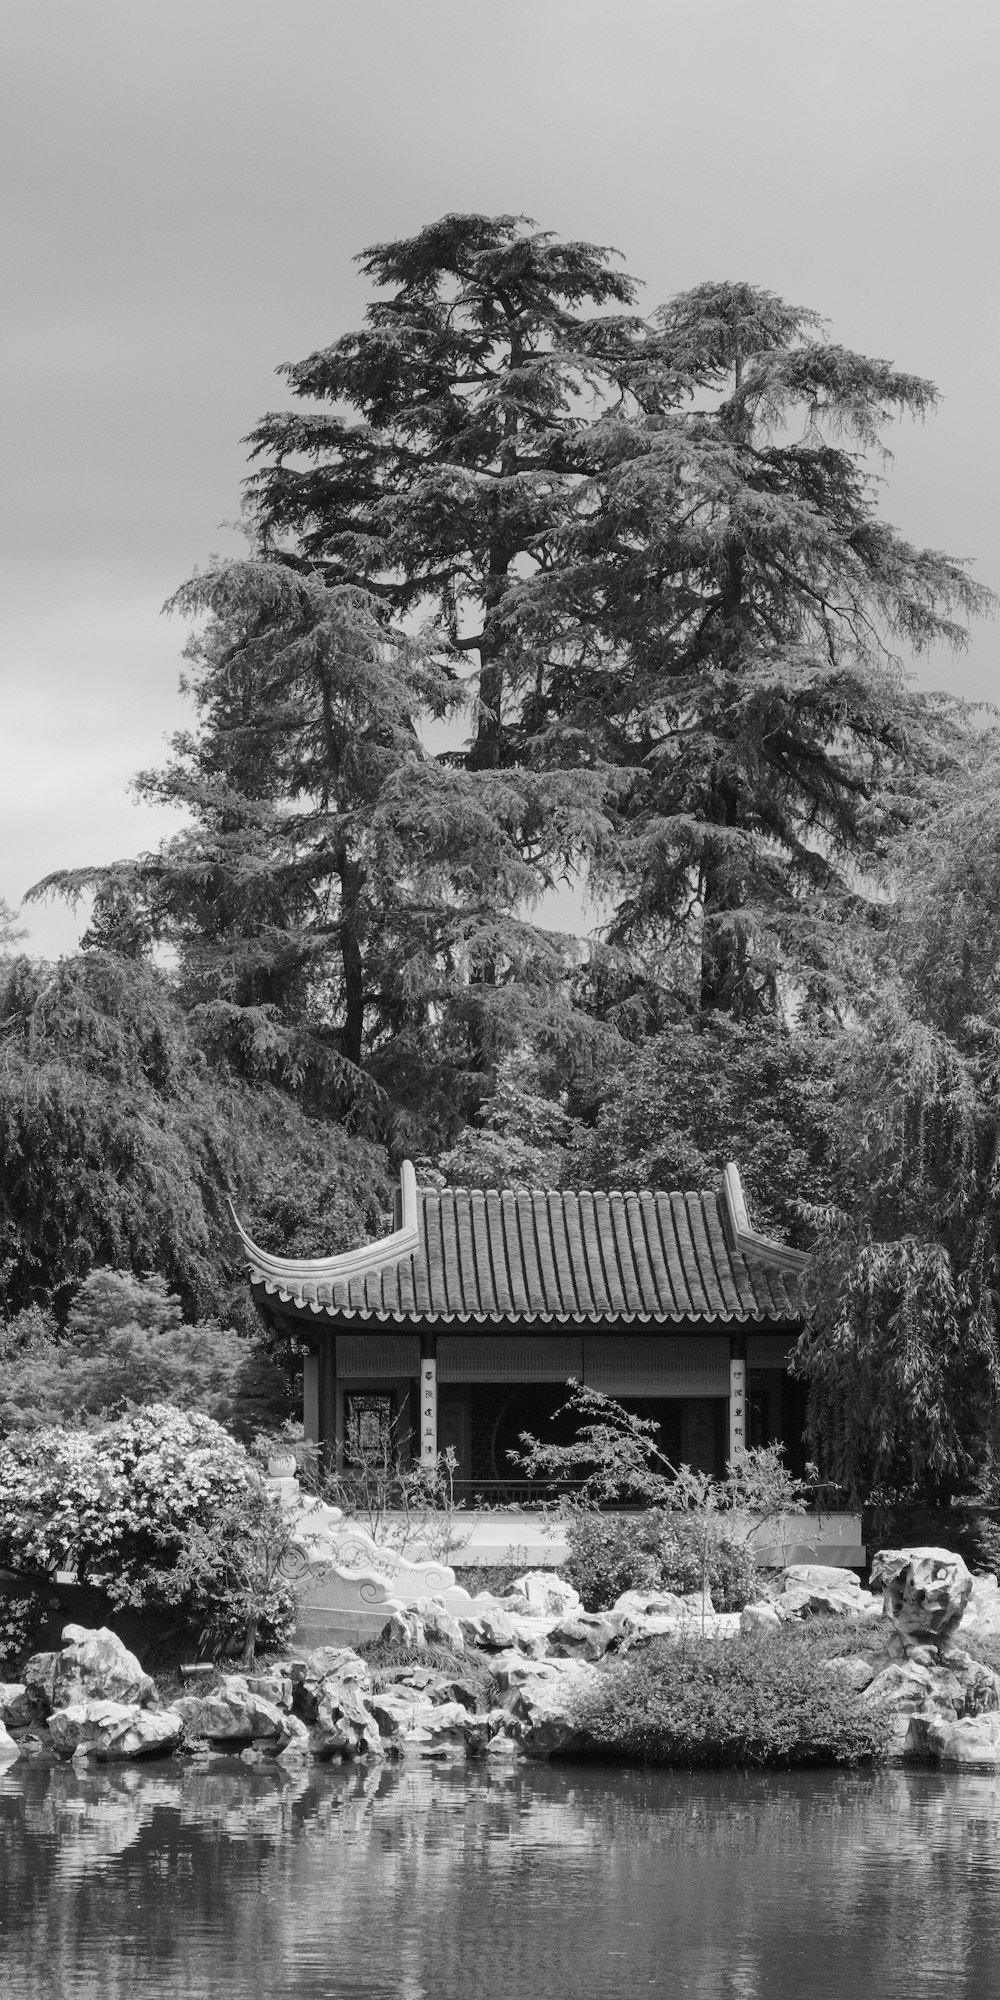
[(462, 1327)]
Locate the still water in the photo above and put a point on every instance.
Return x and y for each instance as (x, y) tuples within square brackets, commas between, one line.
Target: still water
[(460, 1882)]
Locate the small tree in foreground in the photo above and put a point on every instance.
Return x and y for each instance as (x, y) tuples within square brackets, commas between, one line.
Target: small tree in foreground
[(682, 1540)]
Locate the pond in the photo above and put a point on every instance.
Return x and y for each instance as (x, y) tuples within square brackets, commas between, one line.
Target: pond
[(458, 1882)]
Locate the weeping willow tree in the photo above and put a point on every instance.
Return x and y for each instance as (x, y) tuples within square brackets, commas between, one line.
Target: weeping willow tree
[(903, 1356), (121, 1132)]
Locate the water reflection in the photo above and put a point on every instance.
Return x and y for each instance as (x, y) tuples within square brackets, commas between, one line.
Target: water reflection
[(456, 1882)]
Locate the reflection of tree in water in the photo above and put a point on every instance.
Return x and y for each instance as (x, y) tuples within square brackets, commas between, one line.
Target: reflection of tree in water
[(426, 1883)]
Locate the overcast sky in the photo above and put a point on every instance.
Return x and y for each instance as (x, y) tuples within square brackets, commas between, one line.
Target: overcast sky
[(185, 183)]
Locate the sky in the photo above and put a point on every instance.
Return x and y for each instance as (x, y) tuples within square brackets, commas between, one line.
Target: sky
[(186, 182)]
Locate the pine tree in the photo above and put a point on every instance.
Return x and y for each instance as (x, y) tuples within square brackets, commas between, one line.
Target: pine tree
[(742, 614), (472, 391)]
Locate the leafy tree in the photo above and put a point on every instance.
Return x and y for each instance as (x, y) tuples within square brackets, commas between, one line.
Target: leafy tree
[(121, 1134), (903, 1356), (338, 889), (674, 1110), (125, 1343)]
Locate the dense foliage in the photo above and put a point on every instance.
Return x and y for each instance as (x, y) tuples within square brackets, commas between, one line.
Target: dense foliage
[(904, 1353), (659, 1549), (751, 1699), (121, 1134), (161, 1510), (124, 1343)]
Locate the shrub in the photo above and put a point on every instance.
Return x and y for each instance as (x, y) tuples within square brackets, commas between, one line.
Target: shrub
[(162, 1510), (661, 1549), (752, 1699)]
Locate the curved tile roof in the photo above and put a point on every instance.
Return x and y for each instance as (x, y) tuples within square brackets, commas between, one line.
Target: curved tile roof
[(543, 1256)]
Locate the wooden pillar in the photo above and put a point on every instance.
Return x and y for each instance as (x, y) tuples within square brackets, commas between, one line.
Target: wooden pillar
[(310, 1396), (428, 1399), (328, 1400)]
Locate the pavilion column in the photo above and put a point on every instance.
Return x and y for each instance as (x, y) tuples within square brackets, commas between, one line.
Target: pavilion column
[(428, 1399), (328, 1401), (737, 1396), (310, 1396)]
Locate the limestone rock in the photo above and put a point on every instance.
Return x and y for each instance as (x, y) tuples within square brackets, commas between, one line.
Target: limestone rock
[(9, 1750), (344, 1726), (96, 1666), (493, 1630), (545, 1711), (586, 1635), (760, 1618), (17, 1710), (441, 1628), (404, 1626), (809, 1590), (649, 1604), (925, 1591), (971, 1744), (547, 1593), (854, 1672), (266, 1718), (329, 1667), (232, 1715), (981, 1618), (39, 1681), (110, 1730), (442, 1731), (275, 1688)]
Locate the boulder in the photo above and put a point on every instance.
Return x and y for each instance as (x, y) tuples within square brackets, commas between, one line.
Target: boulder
[(547, 1594), (545, 1711), (266, 1718), (330, 1667), (981, 1618), (109, 1730), (925, 1592), (586, 1636), (9, 1750), (441, 1628), (492, 1629), (442, 1731), (17, 1710), (275, 1688), (649, 1604), (809, 1590), (404, 1626), (39, 1681), (760, 1618), (96, 1666), (344, 1726), (854, 1672), (231, 1715), (970, 1744)]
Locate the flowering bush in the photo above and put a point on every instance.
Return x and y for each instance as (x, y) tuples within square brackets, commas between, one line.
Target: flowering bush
[(161, 1509)]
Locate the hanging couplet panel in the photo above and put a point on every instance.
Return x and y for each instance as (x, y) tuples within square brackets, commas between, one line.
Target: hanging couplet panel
[(428, 1412), (737, 1408)]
